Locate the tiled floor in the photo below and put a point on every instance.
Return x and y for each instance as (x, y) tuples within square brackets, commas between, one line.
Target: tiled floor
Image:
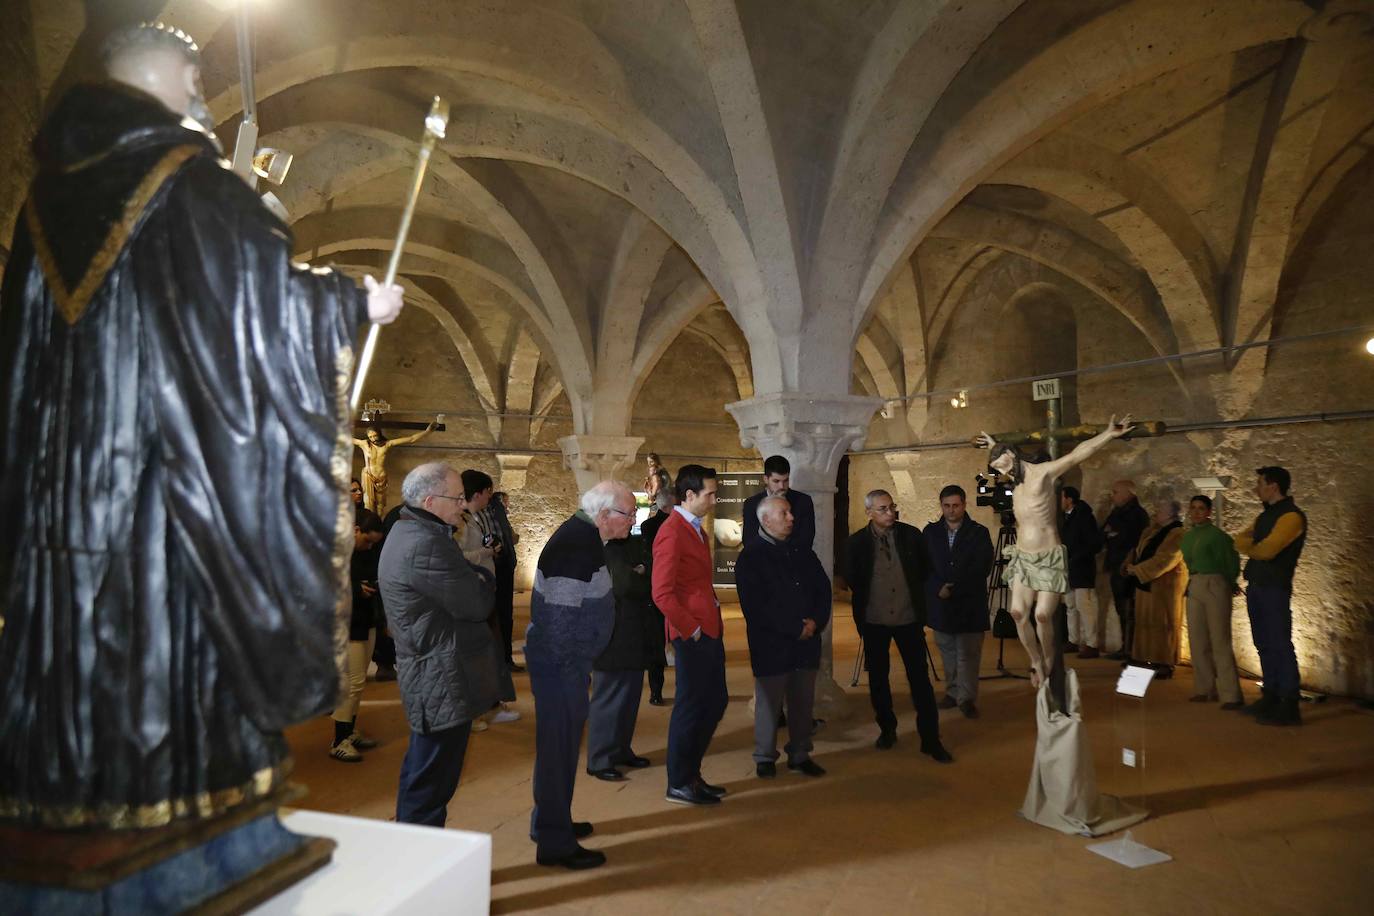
[(1258, 820)]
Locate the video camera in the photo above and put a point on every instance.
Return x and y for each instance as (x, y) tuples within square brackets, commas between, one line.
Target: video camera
[(993, 493)]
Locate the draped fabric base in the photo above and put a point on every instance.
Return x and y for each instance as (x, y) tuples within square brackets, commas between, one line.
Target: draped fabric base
[(173, 476), (1062, 794)]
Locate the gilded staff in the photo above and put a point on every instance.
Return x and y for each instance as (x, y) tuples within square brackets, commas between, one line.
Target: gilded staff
[(436, 122)]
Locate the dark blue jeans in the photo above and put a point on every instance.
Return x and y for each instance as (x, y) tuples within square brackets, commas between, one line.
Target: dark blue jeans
[(560, 716), (1271, 626), (698, 706), (429, 775)]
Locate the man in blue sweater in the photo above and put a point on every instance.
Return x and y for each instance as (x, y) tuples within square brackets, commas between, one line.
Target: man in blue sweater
[(572, 614)]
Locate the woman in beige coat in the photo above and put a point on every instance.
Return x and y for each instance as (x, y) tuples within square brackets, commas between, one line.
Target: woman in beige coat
[(1162, 579)]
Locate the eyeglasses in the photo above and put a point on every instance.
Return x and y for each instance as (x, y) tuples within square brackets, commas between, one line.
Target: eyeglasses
[(883, 510), (621, 512), (458, 499)]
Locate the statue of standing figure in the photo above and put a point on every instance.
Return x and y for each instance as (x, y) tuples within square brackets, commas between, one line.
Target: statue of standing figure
[(1037, 570), (375, 447)]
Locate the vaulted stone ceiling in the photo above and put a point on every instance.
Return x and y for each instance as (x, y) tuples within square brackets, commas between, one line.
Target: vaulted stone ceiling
[(833, 176)]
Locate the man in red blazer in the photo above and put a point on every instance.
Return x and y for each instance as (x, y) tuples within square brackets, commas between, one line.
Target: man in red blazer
[(683, 592)]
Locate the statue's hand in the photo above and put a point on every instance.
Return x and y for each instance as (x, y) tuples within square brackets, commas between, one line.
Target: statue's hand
[(1122, 428), (983, 440), (383, 302)]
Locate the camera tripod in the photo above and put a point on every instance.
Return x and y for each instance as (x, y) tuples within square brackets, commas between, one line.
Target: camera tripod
[(999, 599)]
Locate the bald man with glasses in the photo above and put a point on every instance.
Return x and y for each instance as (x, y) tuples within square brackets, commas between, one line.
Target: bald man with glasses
[(886, 566)]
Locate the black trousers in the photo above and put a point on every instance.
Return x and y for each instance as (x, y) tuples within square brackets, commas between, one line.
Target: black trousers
[(505, 605), (1123, 596), (429, 775), (657, 663), (697, 707), (911, 645), (560, 716)]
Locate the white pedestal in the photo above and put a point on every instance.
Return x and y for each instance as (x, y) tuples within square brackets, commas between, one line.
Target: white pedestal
[(381, 868)]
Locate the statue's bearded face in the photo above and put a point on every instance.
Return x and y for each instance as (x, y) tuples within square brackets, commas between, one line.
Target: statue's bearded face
[(374, 437), (1003, 463), (197, 109)]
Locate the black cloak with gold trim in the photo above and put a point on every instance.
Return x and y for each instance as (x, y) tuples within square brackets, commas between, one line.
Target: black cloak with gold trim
[(173, 476)]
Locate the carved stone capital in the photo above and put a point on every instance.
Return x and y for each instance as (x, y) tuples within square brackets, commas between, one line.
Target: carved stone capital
[(514, 470), (812, 431), (593, 459)]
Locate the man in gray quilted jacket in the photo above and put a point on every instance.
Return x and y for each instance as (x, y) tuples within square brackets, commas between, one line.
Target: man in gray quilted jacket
[(447, 661)]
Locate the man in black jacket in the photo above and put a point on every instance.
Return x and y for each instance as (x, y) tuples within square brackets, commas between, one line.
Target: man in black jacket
[(1122, 530), (960, 552), (886, 567), (618, 672), (1078, 530), (785, 596), (664, 501), (447, 661), (777, 481)]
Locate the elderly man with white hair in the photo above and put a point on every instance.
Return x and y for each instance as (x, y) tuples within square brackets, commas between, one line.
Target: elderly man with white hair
[(572, 614), (447, 661), (785, 596)]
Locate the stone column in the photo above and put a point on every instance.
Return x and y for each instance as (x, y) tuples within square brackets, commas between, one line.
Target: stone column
[(593, 459), (812, 432), (514, 469)]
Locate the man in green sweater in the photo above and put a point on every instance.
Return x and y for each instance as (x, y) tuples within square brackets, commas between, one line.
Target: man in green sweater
[(1213, 566)]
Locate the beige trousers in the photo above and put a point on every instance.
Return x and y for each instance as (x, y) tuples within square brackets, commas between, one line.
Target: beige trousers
[(359, 655), (1209, 635)]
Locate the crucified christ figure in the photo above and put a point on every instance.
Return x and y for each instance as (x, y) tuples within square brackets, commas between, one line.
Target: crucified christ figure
[(1037, 568), (375, 447)]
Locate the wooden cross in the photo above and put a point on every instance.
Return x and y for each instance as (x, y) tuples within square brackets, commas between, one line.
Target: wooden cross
[(362, 428), (1053, 434)]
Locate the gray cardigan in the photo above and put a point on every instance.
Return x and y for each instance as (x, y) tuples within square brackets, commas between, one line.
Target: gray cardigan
[(447, 663)]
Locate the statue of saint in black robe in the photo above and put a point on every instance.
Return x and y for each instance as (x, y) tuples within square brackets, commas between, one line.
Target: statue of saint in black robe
[(173, 478)]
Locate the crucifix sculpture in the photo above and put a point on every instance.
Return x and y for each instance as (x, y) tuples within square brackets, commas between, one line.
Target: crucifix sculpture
[(1037, 567), (375, 446)]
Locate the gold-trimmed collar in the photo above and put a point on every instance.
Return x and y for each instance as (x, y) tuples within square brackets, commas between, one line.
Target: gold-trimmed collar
[(71, 303)]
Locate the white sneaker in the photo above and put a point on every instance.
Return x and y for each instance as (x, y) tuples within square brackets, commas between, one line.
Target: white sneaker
[(479, 724), (505, 714), (346, 752)]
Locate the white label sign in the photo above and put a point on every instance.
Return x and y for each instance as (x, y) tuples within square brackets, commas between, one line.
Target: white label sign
[(1134, 681), (1045, 389)]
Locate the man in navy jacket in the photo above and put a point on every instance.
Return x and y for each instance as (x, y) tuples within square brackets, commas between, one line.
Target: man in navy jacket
[(785, 596), (957, 596), (777, 481)]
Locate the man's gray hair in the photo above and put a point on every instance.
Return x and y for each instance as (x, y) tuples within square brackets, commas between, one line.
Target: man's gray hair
[(427, 480), (664, 498), (762, 510), (604, 496), (874, 494)]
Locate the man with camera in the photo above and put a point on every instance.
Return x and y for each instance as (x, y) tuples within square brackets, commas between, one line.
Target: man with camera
[(480, 540)]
